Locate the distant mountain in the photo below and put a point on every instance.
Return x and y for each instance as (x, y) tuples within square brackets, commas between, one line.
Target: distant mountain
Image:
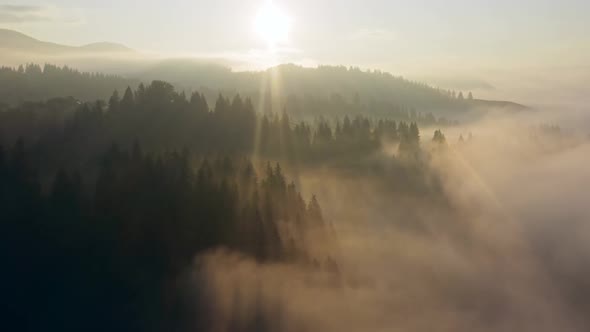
[(325, 90), (322, 90), (15, 41), (106, 47), (498, 104)]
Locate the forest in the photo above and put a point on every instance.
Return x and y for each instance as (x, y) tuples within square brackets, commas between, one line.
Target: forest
[(150, 209), (154, 210), (105, 256), (105, 204), (294, 166), (65, 131), (307, 93)]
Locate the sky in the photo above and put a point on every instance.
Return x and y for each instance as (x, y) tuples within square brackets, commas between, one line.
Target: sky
[(431, 39)]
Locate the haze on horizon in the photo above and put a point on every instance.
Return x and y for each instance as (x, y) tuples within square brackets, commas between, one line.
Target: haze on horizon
[(378, 166), (503, 50)]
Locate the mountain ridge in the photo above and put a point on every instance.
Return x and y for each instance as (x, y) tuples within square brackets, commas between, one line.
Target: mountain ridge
[(18, 41), (340, 86)]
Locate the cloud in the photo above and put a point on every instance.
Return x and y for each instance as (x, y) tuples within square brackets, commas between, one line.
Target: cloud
[(373, 34), (19, 8), (261, 59), (19, 14), (460, 83)]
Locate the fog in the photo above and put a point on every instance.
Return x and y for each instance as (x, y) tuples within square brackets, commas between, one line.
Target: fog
[(386, 167), (540, 86), (506, 250), (490, 233)]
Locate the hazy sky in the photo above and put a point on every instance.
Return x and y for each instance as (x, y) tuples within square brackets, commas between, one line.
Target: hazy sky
[(407, 37)]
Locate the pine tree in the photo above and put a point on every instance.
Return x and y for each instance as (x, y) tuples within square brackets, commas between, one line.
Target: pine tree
[(439, 137), (128, 101), (414, 134), (114, 102), (314, 211)]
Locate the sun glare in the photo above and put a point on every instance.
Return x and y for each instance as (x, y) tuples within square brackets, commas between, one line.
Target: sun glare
[(272, 25)]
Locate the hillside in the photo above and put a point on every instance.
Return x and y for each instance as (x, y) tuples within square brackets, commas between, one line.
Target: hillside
[(499, 104), (15, 41), (325, 90), (310, 92), (32, 83)]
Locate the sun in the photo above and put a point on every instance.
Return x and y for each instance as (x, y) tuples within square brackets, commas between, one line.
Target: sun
[(272, 25)]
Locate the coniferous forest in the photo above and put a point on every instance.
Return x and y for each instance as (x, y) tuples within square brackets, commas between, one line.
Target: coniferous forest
[(106, 204), (153, 209), (294, 166)]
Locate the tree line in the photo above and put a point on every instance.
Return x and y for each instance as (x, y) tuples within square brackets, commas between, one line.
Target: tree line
[(66, 132), (35, 83), (306, 92)]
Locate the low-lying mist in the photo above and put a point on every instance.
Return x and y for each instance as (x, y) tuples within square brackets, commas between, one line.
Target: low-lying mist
[(504, 248)]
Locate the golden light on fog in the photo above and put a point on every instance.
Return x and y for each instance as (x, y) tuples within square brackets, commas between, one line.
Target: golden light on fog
[(272, 25)]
